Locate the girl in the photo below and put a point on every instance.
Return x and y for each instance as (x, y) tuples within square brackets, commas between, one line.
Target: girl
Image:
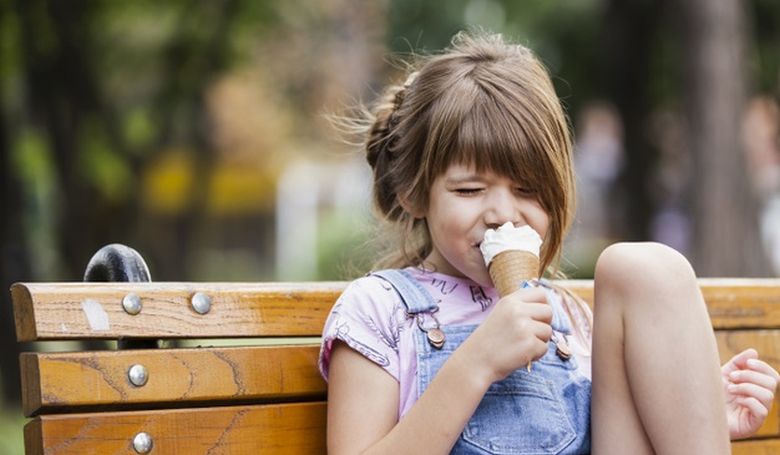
[(425, 358)]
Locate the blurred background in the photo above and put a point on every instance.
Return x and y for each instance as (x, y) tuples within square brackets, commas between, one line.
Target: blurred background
[(197, 132)]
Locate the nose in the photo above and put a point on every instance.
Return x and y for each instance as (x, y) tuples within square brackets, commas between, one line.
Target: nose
[(502, 206)]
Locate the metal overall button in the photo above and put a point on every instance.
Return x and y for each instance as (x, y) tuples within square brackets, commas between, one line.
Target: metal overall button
[(435, 335), (562, 349)]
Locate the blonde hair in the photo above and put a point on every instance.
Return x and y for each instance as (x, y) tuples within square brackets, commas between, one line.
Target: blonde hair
[(481, 102)]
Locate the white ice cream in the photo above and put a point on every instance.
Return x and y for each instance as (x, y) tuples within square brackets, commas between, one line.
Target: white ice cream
[(509, 237)]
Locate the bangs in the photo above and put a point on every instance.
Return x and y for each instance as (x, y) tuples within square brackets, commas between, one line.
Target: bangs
[(494, 134)]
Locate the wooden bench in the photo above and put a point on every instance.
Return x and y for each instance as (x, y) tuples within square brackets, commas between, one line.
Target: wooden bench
[(250, 398)]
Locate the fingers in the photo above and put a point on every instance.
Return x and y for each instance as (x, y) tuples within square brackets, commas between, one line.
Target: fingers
[(543, 331), (538, 295), (739, 361), (755, 407), (749, 390), (532, 299), (755, 377), (763, 367)]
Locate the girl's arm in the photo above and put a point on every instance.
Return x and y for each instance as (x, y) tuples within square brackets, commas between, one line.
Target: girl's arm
[(363, 407), (363, 398)]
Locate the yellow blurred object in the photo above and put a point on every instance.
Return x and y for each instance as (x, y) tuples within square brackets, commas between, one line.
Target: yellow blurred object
[(232, 189), (235, 190), (167, 183)]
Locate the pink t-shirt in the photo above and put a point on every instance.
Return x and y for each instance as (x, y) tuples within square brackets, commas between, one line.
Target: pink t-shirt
[(371, 318)]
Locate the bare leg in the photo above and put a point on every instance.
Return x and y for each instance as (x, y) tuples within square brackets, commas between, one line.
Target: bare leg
[(656, 376)]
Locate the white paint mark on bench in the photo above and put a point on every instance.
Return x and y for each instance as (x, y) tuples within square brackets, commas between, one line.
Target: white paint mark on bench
[(96, 315)]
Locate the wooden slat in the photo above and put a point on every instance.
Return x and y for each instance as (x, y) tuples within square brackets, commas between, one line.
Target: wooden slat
[(61, 311), (294, 428), (767, 343), (743, 303), (52, 311), (756, 447), (732, 303), (79, 380)]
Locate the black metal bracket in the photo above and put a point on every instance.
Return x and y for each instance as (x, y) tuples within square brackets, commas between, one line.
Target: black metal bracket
[(120, 263)]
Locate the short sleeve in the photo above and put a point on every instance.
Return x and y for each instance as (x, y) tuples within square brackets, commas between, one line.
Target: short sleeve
[(366, 318)]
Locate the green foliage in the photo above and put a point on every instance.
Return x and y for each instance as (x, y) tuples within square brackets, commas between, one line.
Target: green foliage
[(103, 167), (343, 248), (563, 33), (138, 128), (32, 161), (764, 63), (11, 431)]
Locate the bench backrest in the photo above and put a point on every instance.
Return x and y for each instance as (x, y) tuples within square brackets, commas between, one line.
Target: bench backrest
[(258, 396)]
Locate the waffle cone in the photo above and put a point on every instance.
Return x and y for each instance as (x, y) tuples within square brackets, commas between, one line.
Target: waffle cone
[(510, 268)]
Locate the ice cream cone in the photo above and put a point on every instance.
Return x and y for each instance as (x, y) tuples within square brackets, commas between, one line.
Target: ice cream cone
[(509, 269), (512, 257)]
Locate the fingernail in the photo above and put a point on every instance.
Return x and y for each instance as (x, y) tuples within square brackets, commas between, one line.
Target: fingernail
[(734, 374)]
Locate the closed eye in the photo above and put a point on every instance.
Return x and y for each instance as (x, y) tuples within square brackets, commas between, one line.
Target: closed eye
[(468, 191), (526, 191)]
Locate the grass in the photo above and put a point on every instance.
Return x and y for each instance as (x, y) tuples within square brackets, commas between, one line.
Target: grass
[(11, 430)]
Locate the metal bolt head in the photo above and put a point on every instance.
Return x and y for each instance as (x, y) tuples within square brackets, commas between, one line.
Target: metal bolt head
[(201, 303), (142, 443), (132, 304), (138, 375)]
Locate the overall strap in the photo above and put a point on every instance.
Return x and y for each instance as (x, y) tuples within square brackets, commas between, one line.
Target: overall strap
[(414, 297), (560, 321)]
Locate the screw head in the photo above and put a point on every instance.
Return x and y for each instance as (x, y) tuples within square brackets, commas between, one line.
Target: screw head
[(138, 375), (143, 443), (201, 303), (132, 304)]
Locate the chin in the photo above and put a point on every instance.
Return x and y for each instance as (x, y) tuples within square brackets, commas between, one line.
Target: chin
[(483, 279)]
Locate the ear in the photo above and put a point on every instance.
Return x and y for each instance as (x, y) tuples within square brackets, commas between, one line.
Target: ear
[(409, 208)]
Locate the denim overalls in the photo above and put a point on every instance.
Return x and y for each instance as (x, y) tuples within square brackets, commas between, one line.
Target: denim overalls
[(546, 411)]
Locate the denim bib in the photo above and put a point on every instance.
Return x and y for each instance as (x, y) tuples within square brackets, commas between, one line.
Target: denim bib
[(546, 411)]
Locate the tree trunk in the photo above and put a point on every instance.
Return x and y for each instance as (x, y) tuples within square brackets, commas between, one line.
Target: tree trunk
[(14, 258), (726, 241), (627, 38)]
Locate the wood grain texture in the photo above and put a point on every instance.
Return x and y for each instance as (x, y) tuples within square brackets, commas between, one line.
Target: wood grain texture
[(274, 429), (61, 311), (767, 343), (733, 303), (57, 311), (277, 429), (79, 380), (756, 447)]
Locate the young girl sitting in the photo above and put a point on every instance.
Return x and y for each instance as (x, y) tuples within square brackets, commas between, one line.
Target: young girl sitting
[(424, 357)]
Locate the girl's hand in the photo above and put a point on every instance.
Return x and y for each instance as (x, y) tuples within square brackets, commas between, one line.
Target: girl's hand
[(750, 386), (515, 333)]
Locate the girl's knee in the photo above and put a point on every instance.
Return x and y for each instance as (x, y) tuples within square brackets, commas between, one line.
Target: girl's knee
[(642, 267)]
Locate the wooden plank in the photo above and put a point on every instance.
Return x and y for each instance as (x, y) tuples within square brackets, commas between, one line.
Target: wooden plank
[(197, 375), (55, 311), (293, 428), (278, 429), (767, 343), (743, 303), (61, 311), (732, 303), (756, 447), (33, 443)]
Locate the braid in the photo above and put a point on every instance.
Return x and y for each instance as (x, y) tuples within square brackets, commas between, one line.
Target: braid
[(379, 146)]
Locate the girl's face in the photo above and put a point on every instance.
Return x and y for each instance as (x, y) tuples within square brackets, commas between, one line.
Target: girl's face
[(463, 204)]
